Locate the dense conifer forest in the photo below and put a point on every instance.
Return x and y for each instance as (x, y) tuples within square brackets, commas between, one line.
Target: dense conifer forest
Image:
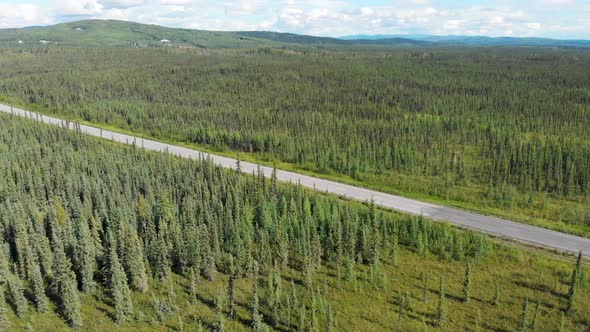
[(98, 236), (502, 131)]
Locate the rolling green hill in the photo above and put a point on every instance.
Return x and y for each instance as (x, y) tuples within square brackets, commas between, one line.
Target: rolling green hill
[(112, 33), (95, 33)]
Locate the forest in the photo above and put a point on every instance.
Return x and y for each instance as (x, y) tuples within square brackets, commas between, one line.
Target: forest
[(501, 131), (98, 236)]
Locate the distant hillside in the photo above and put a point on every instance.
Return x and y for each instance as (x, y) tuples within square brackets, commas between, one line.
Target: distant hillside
[(93, 33), (112, 33), (476, 40), (312, 40)]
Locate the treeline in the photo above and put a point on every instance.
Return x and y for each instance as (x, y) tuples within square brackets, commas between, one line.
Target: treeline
[(494, 123)]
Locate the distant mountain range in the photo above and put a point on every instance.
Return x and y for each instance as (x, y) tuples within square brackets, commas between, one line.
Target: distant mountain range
[(112, 33), (478, 40)]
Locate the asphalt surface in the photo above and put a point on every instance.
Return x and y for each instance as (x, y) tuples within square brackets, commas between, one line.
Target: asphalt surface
[(490, 225)]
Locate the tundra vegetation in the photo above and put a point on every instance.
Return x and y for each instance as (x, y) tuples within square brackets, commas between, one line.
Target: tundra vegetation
[(98, 236), (498, 130)]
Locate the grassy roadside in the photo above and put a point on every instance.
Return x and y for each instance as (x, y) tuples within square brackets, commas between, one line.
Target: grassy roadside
[(514, 214)]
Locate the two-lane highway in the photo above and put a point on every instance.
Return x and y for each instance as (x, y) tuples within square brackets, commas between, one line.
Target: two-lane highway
[(487, 224)]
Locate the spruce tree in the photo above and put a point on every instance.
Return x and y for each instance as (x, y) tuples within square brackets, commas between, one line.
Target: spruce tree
[(571, 296), (577, 274), (41, 300), (330, 320), (4, 265), (307, 272), (394, 249), (17, 293), (467, 283), (536, 316), (496, 299), (119, 288), (135, 264), (219, 318), (257, 324), (158, 308), (70, 300), (302, 324), (3, 310), (231, 295), (425, 277), (401, 313), (193, 286), (180, 324), (524, 323), (562, 322), (575, 283), (441, 311), (87, 258), (64, 283)]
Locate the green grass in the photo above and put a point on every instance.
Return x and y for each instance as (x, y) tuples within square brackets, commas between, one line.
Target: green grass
[(543, 212)]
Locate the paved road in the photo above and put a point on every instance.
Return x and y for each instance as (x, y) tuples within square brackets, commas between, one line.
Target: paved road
[(490, 225)]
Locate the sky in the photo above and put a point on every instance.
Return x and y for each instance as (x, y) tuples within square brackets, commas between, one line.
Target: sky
[(567, 19)]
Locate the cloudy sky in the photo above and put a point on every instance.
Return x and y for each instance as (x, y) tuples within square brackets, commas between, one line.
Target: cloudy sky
[(545, 18)]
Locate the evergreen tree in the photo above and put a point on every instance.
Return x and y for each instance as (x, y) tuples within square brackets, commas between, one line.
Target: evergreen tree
[(257, 324), (307, 272), (4, 265), (562, 322), (424, 325), (302, 324), (401, 313), (70, 300), (231, 294), (41, 300), (17, 293), (573, 289), (536, 316), (135, 263), (394, 249), (3, 310), (496, 299), (524, 323), (180, 324), (193, 285), (477, 324), (219, 318), (467, 282), (330, 320), (441, 311), (577, 274), (64, 283), (425, 277), (87, 258), (119, 288), (158, 307)]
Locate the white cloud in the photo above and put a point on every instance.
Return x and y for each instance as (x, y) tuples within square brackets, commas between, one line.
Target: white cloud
[(122, 4), (176, 2), (20, 15), (534, 25), (78, 7), (321, 17)]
